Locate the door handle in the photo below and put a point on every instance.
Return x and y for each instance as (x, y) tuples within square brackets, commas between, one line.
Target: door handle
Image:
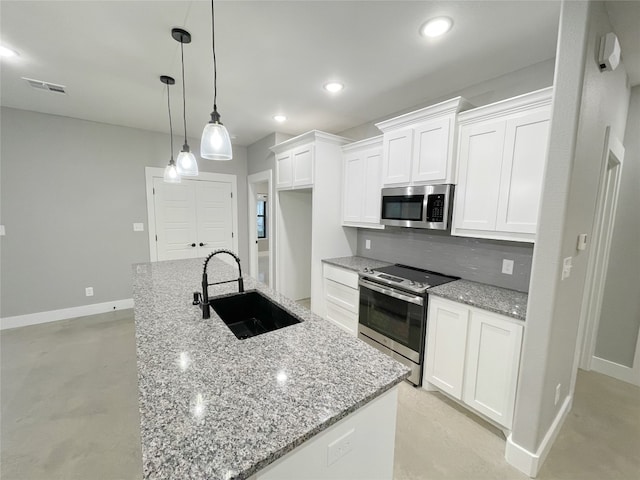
[(201, 244), (191, 244)]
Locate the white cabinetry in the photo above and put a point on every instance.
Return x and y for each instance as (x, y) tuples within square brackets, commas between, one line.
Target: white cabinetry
[(294, 167), (502, 153), (473, 355), (308, 214), (341, 296), (361, 179), (419, 147)]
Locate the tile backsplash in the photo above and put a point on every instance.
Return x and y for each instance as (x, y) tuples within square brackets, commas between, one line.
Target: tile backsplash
[(473, 259)]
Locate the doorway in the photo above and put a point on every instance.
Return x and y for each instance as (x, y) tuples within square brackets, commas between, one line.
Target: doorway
[(261, 226), (613, 157), (192, 218)]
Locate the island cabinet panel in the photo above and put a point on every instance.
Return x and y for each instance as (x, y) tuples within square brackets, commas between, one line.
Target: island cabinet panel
[(361, 183), (341, 297), (419, 147), (473, 356), (361, 445), (446, 345), (502, 155)]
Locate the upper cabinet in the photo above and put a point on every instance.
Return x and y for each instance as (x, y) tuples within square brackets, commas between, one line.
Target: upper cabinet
[(298, 158), (502, 154), (361, 176), (419, 147)]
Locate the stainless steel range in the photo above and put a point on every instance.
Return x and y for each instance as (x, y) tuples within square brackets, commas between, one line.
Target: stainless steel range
[(393, 312)]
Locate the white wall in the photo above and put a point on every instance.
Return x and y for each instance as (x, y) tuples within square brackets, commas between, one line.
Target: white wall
[(567, 209), (71, 190), (620, 318)]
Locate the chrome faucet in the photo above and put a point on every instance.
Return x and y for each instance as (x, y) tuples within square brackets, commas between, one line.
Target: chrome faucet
[(206, 313)]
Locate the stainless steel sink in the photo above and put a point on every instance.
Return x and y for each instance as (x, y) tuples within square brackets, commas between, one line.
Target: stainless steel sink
[(250, 313)]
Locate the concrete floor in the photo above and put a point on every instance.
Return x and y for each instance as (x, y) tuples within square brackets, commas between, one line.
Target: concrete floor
[(70, 411)]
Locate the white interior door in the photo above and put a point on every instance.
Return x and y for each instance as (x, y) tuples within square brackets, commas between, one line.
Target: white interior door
[(192, 218), (176, 229), (214, 217)]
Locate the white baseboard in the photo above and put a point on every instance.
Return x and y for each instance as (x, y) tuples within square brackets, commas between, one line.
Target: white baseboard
[(63, 314), (615, 370), (530, 463)]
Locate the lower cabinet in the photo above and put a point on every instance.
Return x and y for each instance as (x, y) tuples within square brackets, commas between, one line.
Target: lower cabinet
[(474, 355), (341, 297)]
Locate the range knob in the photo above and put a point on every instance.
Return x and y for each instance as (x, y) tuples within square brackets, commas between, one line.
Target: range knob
[(367, 270), (412, 283)]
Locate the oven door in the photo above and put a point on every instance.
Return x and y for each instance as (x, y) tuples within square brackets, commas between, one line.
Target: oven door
[(393, 318)]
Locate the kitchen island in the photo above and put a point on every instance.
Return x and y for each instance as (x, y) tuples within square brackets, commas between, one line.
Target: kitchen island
[(305, 401)]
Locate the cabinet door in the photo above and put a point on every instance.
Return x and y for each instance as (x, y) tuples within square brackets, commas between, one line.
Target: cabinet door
[(523, 164), (372, 186), (480, 162), (284, 170), (397, 148), (493, 360), (446, 345), (353, 188), (431, 151), (303, 166)]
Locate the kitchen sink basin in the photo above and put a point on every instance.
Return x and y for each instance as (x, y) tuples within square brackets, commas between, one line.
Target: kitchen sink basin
[(250, 313)]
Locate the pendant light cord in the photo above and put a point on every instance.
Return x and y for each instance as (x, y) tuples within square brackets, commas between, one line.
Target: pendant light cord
[(213, 48), (170, 124), (184, 106)]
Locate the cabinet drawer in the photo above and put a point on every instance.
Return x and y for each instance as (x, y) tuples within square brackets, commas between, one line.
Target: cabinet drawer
[(341, 295), (343, 318), (340, 275)]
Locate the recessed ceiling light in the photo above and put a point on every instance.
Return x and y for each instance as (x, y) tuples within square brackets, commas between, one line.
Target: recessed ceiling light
[(279, 118), (7, 52), (333, 87), (436, 27)]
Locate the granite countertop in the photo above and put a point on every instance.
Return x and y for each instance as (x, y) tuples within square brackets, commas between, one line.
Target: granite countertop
[(500, 300), (215, 407), (355, 263)]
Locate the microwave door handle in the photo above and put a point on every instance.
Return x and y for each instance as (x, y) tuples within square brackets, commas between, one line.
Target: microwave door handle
[(391, 293)]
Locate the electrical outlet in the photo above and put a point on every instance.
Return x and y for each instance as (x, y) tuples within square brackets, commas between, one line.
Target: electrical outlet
[(507, 266), (367, 244), (138, 227), (340, 447), (88, 291), (567, 265), (558, 393)]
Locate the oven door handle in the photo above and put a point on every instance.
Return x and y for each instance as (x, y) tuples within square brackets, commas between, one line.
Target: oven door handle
[(391, 292)]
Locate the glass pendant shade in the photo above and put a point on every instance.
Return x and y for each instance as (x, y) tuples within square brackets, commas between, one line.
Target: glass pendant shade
[(187, 165), (171, 174), (215, 143)]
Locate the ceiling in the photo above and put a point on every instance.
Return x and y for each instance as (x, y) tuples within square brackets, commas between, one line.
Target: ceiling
[(273, 57)]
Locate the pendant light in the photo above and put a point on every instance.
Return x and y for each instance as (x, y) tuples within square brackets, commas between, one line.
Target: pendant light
[(215, 143), (186, 161), (171, 172)]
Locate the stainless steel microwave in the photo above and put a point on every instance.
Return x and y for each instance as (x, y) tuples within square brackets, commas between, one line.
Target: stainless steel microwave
[(423, 206)]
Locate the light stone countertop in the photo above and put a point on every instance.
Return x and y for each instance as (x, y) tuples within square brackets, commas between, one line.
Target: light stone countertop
[(495, 299), (355, 263), (215, 407)]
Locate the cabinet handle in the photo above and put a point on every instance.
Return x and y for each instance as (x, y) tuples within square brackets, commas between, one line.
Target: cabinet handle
[(202, 244)]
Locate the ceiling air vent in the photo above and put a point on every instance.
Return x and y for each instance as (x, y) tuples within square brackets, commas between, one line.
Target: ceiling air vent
[(40, 85)]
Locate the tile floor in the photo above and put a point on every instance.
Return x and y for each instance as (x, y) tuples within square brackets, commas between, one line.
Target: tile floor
[(69, 411)]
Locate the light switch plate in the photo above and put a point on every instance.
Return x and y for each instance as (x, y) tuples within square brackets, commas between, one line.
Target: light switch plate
[(367, 244), (507, 266), (566, 268), (2, 232), (88, 291), (138, 227), (582, 241)]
